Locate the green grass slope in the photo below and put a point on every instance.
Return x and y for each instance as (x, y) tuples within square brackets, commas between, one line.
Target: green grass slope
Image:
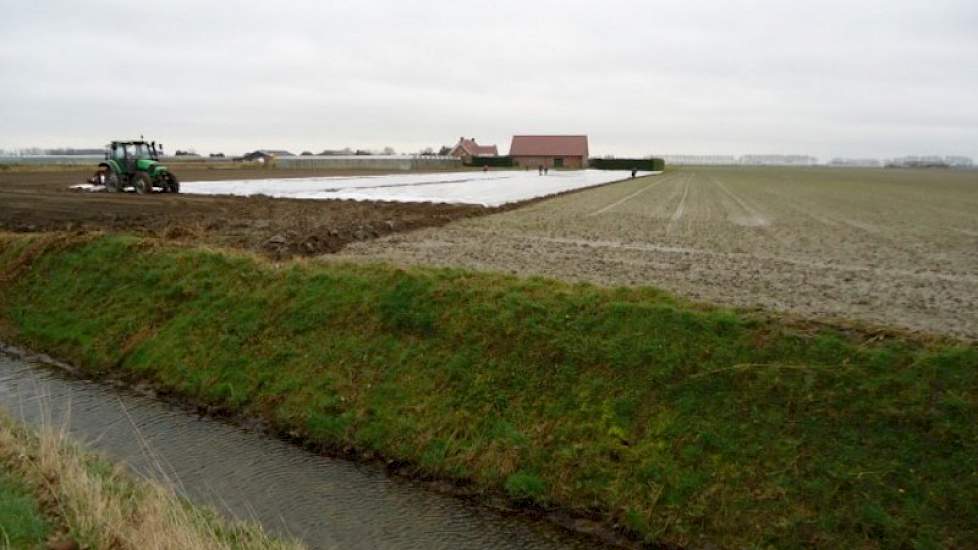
[(21, 523), (683, 424)]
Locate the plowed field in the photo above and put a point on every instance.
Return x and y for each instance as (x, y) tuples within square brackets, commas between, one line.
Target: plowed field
[(32, 200), (896, 248)]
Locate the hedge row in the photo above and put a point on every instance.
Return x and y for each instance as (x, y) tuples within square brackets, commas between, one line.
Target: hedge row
[(650, 165), (495, 162)]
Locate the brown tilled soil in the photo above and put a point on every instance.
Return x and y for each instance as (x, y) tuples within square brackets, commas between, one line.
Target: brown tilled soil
[(32, 200), (897, 248)]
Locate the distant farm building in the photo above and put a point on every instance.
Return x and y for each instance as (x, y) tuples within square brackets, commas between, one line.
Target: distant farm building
[(778, 160), (549, 151), (855, 163), (465, 149), (702, 160), (265, 155)]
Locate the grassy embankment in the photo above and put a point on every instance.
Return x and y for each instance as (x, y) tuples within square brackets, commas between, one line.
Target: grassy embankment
[(681, 423), (53, 492), (22, 525)]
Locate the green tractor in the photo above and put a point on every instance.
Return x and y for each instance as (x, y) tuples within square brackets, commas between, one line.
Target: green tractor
[(135, 164)]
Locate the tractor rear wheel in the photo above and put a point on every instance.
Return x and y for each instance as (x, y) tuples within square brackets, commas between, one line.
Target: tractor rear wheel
[(143, 183), (111, 181)]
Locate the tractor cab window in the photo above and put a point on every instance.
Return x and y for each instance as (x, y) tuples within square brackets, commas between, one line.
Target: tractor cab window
[(118, 153), (130, 150), (142, 151)]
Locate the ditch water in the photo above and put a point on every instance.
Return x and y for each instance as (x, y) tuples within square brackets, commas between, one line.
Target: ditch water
[(325, 502)]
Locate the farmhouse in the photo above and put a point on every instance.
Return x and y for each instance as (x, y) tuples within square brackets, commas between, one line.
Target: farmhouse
[(465, 149), (549, 151)]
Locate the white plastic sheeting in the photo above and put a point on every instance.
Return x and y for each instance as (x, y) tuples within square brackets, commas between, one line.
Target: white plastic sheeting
[(484, 188)]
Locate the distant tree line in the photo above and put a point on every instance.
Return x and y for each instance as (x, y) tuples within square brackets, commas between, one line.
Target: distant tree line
[(190, 152), (57, 151), (430, 152), (347, 152)]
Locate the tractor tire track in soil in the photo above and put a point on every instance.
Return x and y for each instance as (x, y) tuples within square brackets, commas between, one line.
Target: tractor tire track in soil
[(680, 211), (751, 218), (618, 203)]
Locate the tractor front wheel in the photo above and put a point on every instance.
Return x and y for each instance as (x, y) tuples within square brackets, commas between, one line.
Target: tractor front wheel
[(143, 183), (111, 181), (172, 185)]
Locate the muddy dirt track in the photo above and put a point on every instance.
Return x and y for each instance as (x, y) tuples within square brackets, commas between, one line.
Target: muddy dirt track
[(32, 200), (897, 248)]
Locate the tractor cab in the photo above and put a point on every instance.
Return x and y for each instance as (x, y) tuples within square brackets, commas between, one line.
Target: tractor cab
[(135, 150)]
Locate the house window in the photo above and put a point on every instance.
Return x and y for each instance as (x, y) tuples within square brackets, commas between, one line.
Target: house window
[(558, 163)]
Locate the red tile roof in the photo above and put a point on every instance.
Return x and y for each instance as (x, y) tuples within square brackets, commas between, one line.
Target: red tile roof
[(471, 148), (549, 146), (486, 150)]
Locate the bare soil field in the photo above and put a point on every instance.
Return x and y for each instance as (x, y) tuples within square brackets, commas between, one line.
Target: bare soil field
[(897, 248), (39, 200)]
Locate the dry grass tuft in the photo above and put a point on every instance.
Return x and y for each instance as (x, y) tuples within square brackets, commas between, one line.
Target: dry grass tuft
[(100, 506)]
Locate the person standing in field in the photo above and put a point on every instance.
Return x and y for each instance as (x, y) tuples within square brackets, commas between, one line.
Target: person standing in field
[(634, 171), (540, 169)]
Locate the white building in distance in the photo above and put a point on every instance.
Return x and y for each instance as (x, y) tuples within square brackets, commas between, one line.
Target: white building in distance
[(959, 162), (700, 160), (856, 163), (778, 160)]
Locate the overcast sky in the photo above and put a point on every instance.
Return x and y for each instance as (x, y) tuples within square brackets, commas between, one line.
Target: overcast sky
[(827, 78)]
